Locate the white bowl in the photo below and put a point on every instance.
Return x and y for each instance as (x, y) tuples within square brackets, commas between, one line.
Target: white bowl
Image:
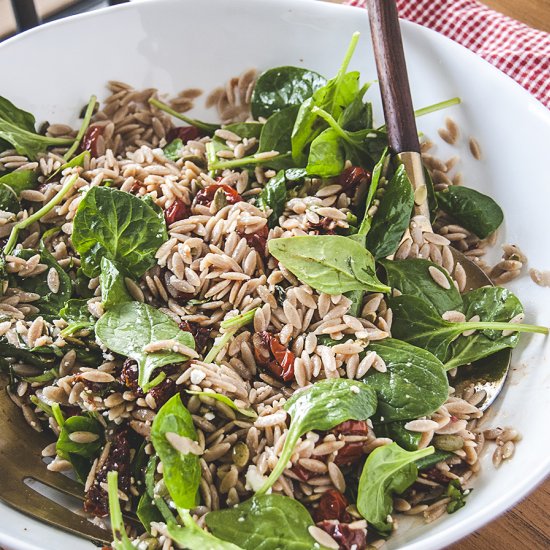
[(174, 44)]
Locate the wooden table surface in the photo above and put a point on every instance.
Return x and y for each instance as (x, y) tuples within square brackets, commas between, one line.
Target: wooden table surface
[(527, 525)]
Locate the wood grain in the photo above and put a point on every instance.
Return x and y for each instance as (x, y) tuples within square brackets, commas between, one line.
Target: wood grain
[(527, 525)]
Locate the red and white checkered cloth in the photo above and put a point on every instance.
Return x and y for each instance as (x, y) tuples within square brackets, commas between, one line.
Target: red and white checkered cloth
[(516, 49)]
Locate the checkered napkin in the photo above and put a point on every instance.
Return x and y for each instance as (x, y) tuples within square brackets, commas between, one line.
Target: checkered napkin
[(519, 51)]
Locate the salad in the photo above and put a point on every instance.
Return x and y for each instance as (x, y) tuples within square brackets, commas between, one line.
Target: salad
[(236, 331)]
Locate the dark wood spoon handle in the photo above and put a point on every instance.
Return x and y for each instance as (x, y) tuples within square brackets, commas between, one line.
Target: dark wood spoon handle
[(392, 76)]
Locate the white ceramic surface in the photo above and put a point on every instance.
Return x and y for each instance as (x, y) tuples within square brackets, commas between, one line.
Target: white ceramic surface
[(174, 44)]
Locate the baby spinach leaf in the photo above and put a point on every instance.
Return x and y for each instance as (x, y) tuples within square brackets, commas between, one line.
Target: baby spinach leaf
[(173, 150), (415, 383), (119, 226), (147, 512), (120, 538), (417, 322), (273, 196), (17, 128), (20, 180), (80, 455), (328, 263), (396, 431), (245, 129), (392, 217), (387, 470), (181, 472), (412, 277), (358, 114), (491, 304), (127, 328), (44, 359), (77, 314), (276, 131), (433, 459), (192, 537), (365, 226), (432, 198), (338, 93), (226, 401), (8, 199), (457, 496), (280, 87), (113, 287), (157, 500), (326, 156), (322, 406), (65, 446), (471, 209), (267, 522), (49, 302)]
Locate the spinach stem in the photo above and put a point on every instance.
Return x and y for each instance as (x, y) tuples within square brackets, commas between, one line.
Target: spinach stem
[(239, 320), (431, 109), (218, 346), (237, 163), (489, 325), (327, 117), (120, 538), (288, 449), (12, 241), (205, 126), (85, 123), (348, 56)]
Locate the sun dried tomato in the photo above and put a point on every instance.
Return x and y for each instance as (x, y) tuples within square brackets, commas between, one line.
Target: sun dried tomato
[(118, 459), (206, 196), (257, 240), (200, 334), (332, 505), (177, 211), (351, 177), (436, 475), (347, 537), (271, 354), (301, 473), (89, 141), (185, 133), (353, 450), (352, 427), (161, 392), (129, 375)]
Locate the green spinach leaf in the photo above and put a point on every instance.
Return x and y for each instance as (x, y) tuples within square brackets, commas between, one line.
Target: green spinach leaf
[(471, 209), (49, 302), (392, 217), (322, 406), (77, 315), (181, 472), (173, 150), (226, 401), (20, 180), (334, 97), (127, 328), (113, 287), (268, 522), (119, 226), (457, 496), (387, 470), (8, 199), (17, 128), (326, 156), (417, 322), (433, 459), (328, 263), (413, 277), (415, 383), (396, 431), (276, 131), (192, 537), (273, 196), (280, 87)]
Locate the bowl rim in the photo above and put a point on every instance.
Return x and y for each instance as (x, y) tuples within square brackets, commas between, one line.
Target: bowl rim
[(522, 487)]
